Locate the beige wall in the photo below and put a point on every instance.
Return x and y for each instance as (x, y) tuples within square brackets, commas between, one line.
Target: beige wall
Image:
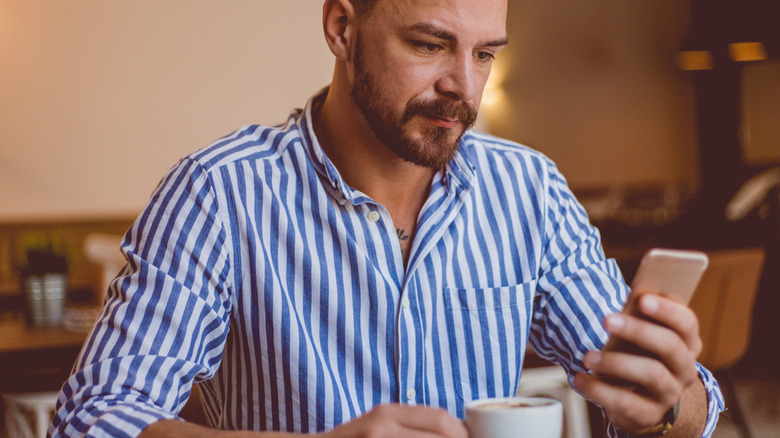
[(99, 98)]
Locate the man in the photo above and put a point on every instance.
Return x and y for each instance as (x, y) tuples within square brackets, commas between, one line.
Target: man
[(372, 265)]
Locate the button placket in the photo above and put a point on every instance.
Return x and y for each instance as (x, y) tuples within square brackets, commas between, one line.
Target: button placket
[(412, 371), (406, 350)]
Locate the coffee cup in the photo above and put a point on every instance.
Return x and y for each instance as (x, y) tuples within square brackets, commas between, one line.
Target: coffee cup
[(515, 417)]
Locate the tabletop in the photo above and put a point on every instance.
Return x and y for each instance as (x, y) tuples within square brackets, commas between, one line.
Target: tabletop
[(36, 358), (17, 336)]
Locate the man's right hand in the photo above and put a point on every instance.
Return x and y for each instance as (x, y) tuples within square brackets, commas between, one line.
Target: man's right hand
[(396, 420)]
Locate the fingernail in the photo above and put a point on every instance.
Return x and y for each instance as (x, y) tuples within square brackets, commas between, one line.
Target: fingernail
[(650, 304), (615, 322)]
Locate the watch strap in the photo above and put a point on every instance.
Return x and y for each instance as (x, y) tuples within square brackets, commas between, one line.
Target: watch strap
[(665, 425)]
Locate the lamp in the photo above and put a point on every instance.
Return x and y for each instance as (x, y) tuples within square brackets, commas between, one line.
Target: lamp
[(690, 60), (747, 51)]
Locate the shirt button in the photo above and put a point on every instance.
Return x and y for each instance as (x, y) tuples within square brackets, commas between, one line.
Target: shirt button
[(410, 393), (405, 303), (373, 216)]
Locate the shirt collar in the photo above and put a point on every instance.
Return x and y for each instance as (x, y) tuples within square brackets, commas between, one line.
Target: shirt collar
[(457, 175), (322, 164)]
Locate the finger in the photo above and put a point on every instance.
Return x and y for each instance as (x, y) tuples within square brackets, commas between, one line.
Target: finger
[(660, 341), (649, 374), (437, 421), (677, 316), (625, 409)]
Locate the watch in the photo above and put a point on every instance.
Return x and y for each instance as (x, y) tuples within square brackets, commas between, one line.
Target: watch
[(665, 425)]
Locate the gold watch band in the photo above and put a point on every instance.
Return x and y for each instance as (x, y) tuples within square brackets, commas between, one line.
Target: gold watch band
[(665, 425)]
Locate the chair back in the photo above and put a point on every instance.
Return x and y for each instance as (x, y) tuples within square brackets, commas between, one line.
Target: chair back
[(723, 302)]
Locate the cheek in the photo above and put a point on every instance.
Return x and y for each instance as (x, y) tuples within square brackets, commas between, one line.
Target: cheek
[(478, 98), (480, 88), (421, 81), (400, 73), (405, 85), (401, 79)]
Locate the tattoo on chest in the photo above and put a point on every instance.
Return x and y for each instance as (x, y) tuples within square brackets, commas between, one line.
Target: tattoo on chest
[(402, 236)]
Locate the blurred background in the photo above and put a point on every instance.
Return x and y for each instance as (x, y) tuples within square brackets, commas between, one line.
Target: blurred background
[(663, 115)]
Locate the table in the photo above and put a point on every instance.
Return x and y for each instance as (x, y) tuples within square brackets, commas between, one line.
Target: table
[(36, 358)]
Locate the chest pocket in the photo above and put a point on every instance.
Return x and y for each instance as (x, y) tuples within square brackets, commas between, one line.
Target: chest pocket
[(487, 332)]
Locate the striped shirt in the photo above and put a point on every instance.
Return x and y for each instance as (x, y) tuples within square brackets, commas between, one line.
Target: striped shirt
[(258, 273)]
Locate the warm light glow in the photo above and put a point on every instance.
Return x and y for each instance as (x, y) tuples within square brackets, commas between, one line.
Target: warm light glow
[(747, 51), (493, 87), (695, 60), (492, 95)]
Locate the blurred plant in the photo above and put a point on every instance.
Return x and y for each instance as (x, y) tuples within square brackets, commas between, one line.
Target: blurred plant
[(43, 257)]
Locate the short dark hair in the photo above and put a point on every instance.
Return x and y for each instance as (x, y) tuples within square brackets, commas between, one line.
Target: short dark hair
[(363, 7)]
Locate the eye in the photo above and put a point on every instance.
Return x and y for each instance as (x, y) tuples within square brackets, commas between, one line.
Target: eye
[(485, 56), (427, 47)]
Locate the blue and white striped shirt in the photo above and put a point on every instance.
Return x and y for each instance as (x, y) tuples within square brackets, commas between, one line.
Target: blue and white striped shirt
[(256, 271)]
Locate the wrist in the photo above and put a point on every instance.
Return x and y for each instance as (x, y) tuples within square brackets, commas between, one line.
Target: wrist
[(665, 425)]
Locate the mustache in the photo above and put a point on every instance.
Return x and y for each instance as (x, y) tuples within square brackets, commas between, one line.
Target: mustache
[(443, 109)]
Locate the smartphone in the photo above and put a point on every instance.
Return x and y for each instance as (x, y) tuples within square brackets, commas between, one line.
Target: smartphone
[(670, 272)]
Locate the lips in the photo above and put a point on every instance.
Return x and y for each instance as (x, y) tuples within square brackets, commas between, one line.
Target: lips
[(443, 122)]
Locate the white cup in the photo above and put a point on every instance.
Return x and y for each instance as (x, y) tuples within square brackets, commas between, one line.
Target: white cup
[(515, 417)]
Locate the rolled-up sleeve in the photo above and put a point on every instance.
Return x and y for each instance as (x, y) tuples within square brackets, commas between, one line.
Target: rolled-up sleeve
[(165, 319), (578, 287)]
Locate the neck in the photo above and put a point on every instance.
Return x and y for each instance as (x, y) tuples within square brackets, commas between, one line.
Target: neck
[(363, 161)]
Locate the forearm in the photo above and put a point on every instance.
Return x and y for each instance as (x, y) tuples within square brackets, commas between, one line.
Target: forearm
[(693, 413), (182, 429)]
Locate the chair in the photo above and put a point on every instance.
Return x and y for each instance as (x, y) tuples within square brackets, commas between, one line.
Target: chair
[(27, 415), (551, 381), (723, 303)]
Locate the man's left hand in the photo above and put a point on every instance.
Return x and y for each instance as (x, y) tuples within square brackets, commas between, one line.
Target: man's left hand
[(656, 381)]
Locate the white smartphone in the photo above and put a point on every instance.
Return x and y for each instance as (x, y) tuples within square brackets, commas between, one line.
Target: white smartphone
[(670, 272)]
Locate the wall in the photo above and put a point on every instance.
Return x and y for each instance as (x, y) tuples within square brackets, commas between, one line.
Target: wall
[(761, 112), (594, 85), (99, 98)]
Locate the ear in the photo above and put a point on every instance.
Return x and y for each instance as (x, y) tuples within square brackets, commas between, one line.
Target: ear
[(339, 23)]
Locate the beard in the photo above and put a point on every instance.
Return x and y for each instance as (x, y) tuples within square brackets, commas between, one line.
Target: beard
[(436, 146)]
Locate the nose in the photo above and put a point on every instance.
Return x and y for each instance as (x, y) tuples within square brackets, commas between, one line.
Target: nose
[(457, 80)]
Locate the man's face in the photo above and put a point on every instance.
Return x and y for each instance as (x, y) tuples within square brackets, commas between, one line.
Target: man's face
[(419, 71)]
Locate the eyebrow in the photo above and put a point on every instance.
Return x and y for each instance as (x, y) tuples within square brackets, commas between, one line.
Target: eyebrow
[(438, 32)]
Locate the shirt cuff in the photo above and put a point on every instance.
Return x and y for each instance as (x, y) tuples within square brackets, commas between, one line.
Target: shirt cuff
[(122, 421), (715, 403)]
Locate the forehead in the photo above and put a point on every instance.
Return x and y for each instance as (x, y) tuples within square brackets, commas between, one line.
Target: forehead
[(466, 19)]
